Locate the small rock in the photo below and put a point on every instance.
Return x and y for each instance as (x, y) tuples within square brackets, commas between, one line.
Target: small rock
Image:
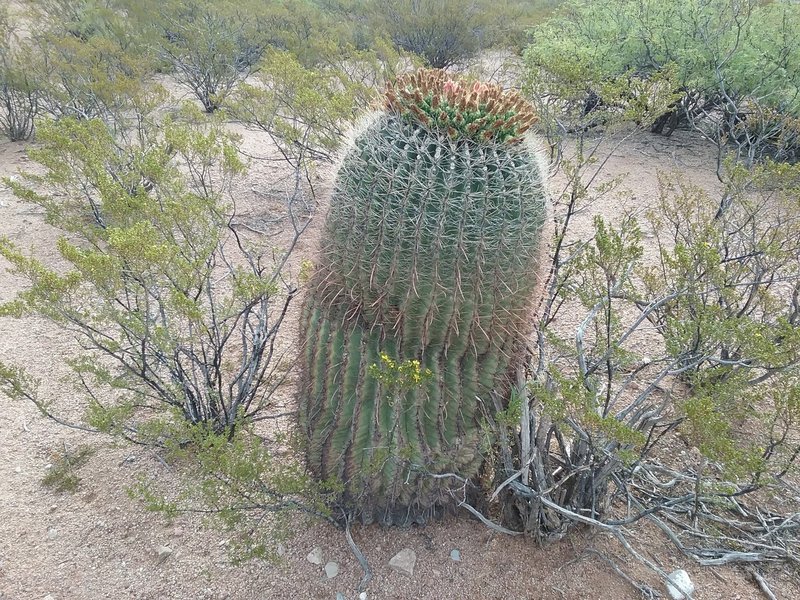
[(362, 596), (177, 531), (54, 508), (18, 470), (340, 596), (455, 555), (679, 585), (52, 533), (49, 597), (315, 556), (331, 569), (162, 554), (280, 550), (403, 562)]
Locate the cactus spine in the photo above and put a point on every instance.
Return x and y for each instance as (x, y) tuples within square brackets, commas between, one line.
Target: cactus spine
[(429, 254)]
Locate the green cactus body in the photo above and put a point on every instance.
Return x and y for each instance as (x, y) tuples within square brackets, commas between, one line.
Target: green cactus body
[(429, 253)]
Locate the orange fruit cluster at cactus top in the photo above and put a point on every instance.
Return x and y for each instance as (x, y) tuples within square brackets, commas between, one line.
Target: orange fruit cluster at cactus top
[(476, 111)]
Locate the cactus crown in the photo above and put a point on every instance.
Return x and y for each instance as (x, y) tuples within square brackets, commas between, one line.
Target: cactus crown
[(477, 111)]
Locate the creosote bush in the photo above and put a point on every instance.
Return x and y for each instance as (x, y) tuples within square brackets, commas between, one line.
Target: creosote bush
[(210, 46), (172, 324), (443, 32), (584, 436), (732, 64), (177, 313), (446, 33), (19, 96), (304, 110), (95, 78), (729, 278), (257, 488)]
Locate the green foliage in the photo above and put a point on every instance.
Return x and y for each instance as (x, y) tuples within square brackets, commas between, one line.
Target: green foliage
[(88, 61), (303, 29), (81, 19), (254, 492), (15, 383), (723, 298), (442, 32), (62, 476), (571, 97), (211, 46), (710, 426), (149, 288), (510, 416), (730, 62), (730, 264), (613, 38), (176, 312), (729, 278), (19, 96), (510, 22), (601, 274), (458, 309), (301, 107), (448, 32)]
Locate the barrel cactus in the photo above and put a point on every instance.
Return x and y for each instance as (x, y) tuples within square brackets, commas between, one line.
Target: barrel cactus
[(421, 298)]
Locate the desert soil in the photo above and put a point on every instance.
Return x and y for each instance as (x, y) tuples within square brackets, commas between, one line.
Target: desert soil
[(99, 543)]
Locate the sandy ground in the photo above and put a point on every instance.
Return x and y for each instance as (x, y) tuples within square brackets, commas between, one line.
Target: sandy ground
[(99, 543)]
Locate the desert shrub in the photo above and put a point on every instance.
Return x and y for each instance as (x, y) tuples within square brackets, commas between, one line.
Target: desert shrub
[(82, 19), (178, 313), (719, 310), (303, 29), (210, 46), (442, 33), (726, 288), (19, 96), (724, 300), (255, 486), (362, 28), (118, 20), (307, 110), (87, 60), (92, 79), (510, 21), (726, 57), (451, 32), (177, 309)]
